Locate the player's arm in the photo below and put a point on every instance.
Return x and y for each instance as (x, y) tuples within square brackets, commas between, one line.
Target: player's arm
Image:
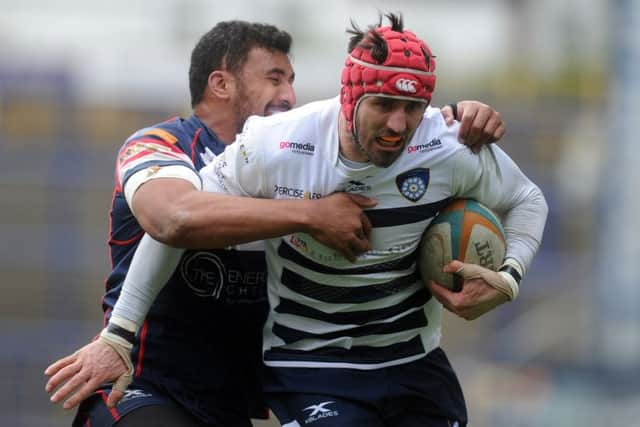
[(495, 180), (218, 217), (161, 186), (172, 211), (480, 124), (108, 359)]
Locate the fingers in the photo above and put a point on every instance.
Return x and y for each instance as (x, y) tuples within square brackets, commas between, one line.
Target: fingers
[(479, 124), (443, 295), (366, 226), (114, 397), (500, 130), (61, 376), (476, 128), (362, 201), (492, 125), (68, 388), (447, 114), (454, 302), (453, 267), (356, 246), (85, 390), (59, 364), (467, 117)]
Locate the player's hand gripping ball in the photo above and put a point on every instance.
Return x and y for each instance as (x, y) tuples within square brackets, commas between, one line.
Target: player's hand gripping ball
[(465, 230)]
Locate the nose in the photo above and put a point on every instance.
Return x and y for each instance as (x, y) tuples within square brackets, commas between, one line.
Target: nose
[(288, 94), (397, 120)]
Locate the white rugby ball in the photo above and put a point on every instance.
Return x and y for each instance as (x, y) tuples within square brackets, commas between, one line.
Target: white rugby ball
[(465, 230)]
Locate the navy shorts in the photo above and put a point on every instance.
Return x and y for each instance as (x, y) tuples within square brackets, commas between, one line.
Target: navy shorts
[(425, 392), (140, 406)]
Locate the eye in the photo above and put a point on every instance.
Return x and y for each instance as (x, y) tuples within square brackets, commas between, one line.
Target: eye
[(384, 104), (414, 107), (275, 80)]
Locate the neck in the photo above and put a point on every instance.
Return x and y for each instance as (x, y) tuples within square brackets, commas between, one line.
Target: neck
[(349, 147), (219, 118)]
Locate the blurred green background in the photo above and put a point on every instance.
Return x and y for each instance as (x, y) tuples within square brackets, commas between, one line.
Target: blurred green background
[(76, 78)]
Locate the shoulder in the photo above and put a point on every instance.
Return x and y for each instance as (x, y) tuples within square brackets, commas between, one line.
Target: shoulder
[(170, 132), (297, 118), (434, 136), (295, 131)]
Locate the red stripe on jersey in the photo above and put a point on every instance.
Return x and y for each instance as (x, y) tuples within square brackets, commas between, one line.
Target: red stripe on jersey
[(193, 145), (88, 423), (114, 413), (126, 242), (135, 149), (116, 190), (105, 316), (147, 151), (143, 336)]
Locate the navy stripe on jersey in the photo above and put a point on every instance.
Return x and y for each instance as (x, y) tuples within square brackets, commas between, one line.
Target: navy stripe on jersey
[(407, 215), (343, 294), (356, 354), (361, 317), (414, 320), (155, 162), (288, 253)]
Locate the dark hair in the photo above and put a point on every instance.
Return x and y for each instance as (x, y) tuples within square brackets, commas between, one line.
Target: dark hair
[(226, 47), (371, 39)]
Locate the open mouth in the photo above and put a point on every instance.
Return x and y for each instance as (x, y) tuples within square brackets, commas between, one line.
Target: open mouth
[(390, 141)]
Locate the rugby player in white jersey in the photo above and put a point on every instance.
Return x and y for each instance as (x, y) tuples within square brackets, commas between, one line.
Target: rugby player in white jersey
[(355, 344)]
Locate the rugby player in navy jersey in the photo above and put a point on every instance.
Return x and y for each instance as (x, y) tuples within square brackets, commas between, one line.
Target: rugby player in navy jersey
[(195, 357)]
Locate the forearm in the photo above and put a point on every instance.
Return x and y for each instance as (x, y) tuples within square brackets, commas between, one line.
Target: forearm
[(504, 188), (211, 220), (523, 226), (175, 213)]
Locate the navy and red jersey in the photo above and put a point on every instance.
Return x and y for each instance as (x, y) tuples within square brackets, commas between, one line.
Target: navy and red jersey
[(202, 339)]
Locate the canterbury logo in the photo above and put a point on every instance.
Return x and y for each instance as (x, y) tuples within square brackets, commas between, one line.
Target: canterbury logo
[(406, 85), (318, 409)]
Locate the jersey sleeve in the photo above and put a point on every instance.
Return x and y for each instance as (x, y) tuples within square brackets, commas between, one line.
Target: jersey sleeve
[(150, 154), (493, 178), (151, 268), (239, 169)]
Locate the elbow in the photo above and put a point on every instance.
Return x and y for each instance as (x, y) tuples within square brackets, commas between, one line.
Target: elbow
[(542, 203), (172, 228)]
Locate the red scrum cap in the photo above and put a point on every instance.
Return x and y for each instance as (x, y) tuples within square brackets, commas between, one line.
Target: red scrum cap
[(406, 73)]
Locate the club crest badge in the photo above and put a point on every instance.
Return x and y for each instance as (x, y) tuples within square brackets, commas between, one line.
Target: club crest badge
[(413, 184)]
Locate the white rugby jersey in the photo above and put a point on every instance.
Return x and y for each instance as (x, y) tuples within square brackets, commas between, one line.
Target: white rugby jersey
[(325, 310)]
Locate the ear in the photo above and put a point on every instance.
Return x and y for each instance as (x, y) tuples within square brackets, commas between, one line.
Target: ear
[(221, 83)]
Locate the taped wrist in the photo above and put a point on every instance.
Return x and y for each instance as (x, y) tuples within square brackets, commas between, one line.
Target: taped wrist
[(501, 281), (513, 272), (120, 335)]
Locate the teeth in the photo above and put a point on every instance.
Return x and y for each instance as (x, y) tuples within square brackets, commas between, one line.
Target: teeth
[(390, 138)]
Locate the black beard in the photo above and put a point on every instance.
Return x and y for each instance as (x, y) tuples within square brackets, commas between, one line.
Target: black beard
[(356, 141)]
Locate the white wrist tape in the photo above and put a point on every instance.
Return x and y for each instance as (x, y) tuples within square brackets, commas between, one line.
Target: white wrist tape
[(119, 335)]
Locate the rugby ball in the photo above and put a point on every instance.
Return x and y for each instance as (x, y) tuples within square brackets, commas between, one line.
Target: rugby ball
[(464, 230)]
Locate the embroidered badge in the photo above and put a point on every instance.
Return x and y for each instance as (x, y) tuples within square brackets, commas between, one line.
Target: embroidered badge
[(413, 184)]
